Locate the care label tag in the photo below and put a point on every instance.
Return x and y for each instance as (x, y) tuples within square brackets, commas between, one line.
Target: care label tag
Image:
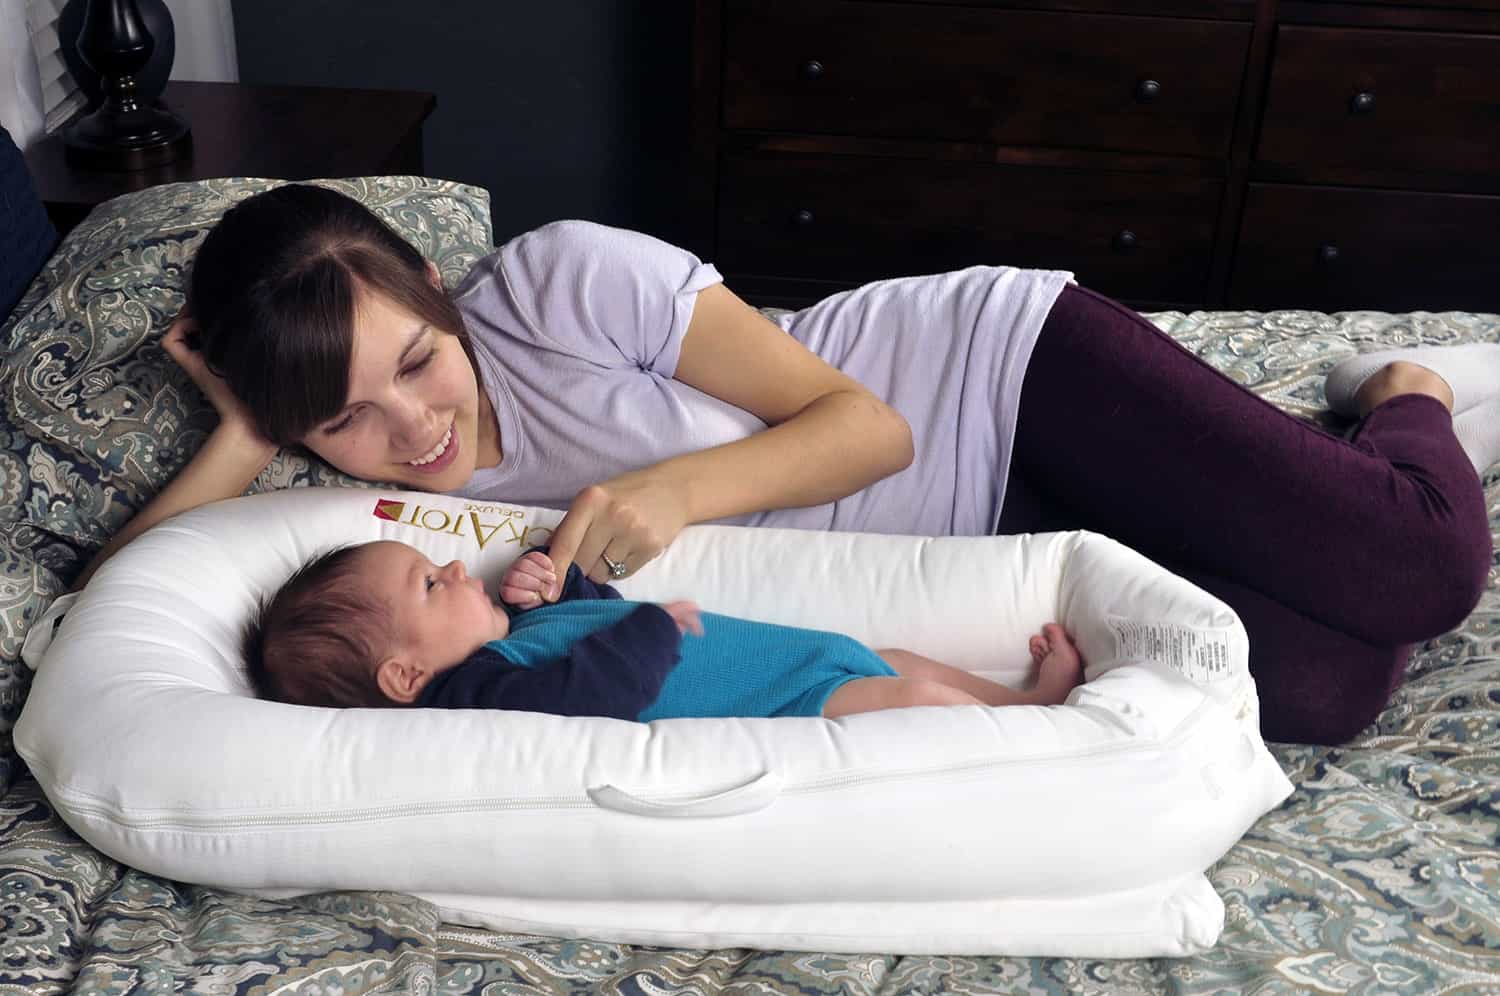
[(1196, 654)]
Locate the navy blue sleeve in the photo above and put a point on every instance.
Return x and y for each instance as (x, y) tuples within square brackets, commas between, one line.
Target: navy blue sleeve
[(578, 585), (617, 671)]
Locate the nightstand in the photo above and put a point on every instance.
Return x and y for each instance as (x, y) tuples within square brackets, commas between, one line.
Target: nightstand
[(286, 132)]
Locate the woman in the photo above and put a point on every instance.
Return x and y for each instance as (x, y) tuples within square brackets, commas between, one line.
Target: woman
[(611, 374)]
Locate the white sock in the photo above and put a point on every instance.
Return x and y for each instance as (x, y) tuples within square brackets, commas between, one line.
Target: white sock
[(1472, 370), (1478, 432)]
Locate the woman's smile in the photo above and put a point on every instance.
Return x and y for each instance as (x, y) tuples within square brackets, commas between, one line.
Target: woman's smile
[(440, 456)]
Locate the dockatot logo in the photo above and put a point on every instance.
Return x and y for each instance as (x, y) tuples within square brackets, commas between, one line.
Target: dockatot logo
[(506, 525)]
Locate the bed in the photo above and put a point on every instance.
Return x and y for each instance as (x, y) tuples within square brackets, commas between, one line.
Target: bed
[(1379, 874)]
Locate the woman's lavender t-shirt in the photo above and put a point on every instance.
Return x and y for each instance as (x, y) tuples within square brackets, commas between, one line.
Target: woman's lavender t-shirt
[(578, 328)]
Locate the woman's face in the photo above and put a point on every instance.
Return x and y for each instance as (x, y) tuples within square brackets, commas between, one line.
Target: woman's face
[(414, 415)]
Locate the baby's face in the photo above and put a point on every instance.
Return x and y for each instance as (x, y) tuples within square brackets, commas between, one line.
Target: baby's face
[(440, 614)]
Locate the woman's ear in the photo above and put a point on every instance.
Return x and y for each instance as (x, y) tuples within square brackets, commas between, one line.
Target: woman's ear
[(433, 276), (400, 680)]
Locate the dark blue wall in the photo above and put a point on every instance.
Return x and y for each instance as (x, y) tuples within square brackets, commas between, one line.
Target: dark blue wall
[(560, 108)]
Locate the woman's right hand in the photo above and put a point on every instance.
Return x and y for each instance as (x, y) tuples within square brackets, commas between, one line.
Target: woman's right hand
[(181, 343), (230, 459)]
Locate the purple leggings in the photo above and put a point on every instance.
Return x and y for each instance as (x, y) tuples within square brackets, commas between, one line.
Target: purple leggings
[(1336, 555)]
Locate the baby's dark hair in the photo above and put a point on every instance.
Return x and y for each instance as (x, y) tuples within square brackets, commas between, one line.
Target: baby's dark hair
[(318, 640), (274, 291)]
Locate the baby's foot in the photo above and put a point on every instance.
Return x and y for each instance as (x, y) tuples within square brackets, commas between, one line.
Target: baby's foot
[(1059, 664)]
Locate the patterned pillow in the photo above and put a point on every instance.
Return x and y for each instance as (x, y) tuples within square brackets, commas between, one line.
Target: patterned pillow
[(106, 418), (95, 418)]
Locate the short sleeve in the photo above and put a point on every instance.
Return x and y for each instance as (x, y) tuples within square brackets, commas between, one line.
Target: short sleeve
[(607, 295)]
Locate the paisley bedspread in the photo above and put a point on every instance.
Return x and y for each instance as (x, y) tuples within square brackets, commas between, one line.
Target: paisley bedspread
[(1381, 874)]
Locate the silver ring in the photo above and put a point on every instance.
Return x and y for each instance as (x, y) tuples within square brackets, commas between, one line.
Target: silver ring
[(616, 570)]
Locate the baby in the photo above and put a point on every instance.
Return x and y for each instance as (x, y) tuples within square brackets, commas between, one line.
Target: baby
[(381, 625)]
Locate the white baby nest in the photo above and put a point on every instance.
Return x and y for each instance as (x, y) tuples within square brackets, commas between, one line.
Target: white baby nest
[(1079, 830)]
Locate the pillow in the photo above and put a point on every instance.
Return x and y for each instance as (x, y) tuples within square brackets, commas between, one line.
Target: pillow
[(1081, 830), (26, 234), (110, 418)]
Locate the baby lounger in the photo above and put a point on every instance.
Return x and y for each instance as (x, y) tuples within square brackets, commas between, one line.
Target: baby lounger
[(1078, 830)]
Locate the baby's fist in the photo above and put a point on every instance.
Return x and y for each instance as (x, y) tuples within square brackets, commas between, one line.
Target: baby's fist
[(685, 615), (526, 580)]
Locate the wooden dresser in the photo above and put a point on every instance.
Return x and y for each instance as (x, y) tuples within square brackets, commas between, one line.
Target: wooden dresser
[(1173, 153)]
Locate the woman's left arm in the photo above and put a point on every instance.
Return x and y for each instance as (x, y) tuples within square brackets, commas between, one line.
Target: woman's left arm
[(827, 436)]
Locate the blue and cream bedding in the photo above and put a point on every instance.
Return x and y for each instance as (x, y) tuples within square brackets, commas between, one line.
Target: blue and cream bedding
[(1380, 874)]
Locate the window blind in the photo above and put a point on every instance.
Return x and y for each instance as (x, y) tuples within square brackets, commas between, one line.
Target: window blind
[(61, 96)]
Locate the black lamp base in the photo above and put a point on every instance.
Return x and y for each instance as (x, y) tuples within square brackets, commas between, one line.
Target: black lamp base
[(139, 137)]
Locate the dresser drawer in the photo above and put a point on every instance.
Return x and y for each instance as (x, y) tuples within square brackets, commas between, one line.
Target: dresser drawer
[(1401, 100), (1007, 77), (851, 219), (1330, 249)]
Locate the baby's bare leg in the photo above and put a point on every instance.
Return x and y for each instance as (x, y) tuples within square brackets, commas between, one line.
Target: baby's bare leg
[(871, 694), (1060, 668)]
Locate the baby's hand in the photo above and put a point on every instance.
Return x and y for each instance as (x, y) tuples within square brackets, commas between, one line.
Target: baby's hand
[(526, 579), (685, 615)]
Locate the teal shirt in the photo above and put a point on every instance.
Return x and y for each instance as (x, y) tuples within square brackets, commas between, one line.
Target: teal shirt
[(736, 668)]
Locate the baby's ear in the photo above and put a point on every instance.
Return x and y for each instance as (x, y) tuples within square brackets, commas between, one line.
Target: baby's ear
[(433, 276), (399, 680)]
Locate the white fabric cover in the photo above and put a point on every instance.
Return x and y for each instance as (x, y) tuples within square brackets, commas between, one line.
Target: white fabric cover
[(1076, 830)]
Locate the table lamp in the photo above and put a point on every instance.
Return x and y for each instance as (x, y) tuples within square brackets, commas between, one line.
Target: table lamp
[(125, 131)]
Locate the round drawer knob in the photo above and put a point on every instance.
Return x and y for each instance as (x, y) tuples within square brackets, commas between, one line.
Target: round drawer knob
[(1125, 240), (812, 69), (802, 217), (1328, 253), (1362, 102), (1147, 90)]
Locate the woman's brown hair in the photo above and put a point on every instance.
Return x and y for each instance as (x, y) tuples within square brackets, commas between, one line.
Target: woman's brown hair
[(274, 290)]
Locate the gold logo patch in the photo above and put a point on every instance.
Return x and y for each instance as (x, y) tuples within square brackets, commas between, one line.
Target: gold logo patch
[(387, 509)]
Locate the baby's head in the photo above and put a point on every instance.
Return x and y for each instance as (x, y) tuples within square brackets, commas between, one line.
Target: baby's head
[(368, 625)]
